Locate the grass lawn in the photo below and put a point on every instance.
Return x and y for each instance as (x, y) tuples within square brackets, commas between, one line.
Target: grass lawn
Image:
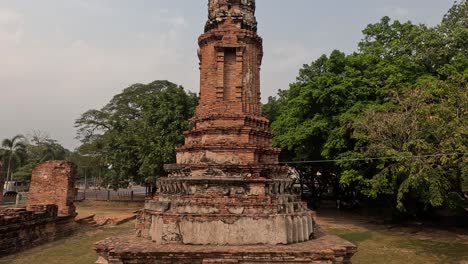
[(385, 247), (377, 243), (77, 249), (385, 244)]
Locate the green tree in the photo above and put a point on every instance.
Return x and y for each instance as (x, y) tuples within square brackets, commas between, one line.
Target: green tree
[(43, 148), (138, 131), (91, 162), (2, 175), (428, 122), (13, 154), (325, 113), (39, 148), (272, 109)]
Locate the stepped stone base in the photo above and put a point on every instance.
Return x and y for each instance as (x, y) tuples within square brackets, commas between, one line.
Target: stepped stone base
[(227, 199), (226, 211), (132, 250)]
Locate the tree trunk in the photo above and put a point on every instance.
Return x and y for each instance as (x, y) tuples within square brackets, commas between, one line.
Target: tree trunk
[(2, 182), (8, 176), (2, 185), (459, 183)]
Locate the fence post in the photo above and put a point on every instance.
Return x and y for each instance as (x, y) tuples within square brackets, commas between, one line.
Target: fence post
[(108, 195), (131, 196), (18, 199)]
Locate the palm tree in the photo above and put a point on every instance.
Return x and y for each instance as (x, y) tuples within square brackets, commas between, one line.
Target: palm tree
[(14, 151), (1, 176)]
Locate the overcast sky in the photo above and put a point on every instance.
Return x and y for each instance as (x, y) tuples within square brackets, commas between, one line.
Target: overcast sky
[(59, 58)]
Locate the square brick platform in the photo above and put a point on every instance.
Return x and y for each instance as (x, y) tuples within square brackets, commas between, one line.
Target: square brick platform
[(130, 249)]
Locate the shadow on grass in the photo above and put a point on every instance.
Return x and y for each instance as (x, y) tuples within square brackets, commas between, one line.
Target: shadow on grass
[(455, 252), (78, 249), (355, 236), (381, 246)]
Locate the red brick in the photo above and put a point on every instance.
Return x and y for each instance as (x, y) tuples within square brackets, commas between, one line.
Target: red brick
[(53, 182), (227, 191)]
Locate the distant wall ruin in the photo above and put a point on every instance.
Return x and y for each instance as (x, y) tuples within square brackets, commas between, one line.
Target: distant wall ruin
[(53, 182), (21, 229), (50, 212)]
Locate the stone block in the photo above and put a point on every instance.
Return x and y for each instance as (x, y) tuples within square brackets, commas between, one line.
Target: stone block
[(157, 206)]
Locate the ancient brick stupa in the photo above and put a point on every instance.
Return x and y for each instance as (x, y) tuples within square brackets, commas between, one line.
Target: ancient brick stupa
[(227, 200)]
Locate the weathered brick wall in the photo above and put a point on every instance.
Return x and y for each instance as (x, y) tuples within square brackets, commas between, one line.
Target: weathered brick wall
[(21, 229), (230, 60), (53, 182), (50, 211), (228, 125)]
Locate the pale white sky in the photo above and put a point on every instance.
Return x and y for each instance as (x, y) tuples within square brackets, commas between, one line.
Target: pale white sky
[(59, 58)]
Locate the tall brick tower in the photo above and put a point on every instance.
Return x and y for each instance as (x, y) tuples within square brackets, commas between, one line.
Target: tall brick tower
[(228, 126), (227, 187), (227, 197)]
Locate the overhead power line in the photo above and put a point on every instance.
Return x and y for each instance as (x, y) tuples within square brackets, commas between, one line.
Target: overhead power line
[(379, 158)]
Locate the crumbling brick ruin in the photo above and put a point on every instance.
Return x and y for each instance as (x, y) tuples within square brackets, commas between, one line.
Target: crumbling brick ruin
[(21, 229), (53, 182), (227, 200), (50, 212)]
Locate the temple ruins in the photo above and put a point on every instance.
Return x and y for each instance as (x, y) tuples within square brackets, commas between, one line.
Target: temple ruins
[(228, 199), (50, 213)]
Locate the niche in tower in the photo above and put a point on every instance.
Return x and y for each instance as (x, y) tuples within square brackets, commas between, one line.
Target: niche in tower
[(230, 74)]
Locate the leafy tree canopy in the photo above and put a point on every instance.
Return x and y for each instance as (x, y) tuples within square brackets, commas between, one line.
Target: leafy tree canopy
[(403, 93), (137, 132), (21, 154)]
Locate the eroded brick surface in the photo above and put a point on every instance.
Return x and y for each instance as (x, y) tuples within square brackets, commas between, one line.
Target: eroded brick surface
[(53, 182), (227, 200), (21, 229), (129, 249), (50, 212), (227, 187)]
